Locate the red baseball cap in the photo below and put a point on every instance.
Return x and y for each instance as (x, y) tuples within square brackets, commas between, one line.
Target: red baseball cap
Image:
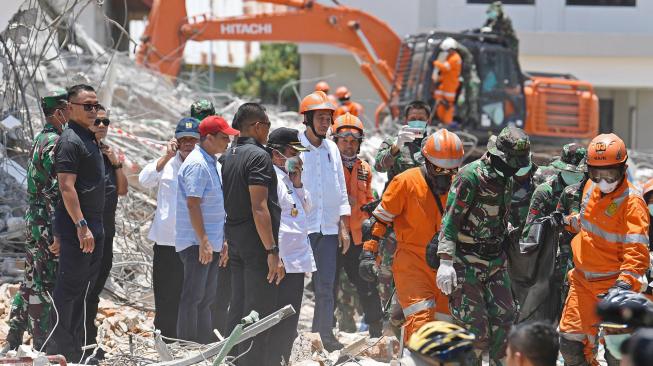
[(214, 124)]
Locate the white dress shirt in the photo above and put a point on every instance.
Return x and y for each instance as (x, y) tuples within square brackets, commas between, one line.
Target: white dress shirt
[(162, 230), (294, 246), (324, 178)]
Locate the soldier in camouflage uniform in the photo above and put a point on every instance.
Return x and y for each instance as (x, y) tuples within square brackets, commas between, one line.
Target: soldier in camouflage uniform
[(473, 266), (543, 203), (347, 304), (545, 172), (30, 309), (395, 156), (499, 23), (522, 191)]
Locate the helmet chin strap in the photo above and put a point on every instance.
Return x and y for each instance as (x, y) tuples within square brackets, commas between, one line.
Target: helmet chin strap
[(312, 126)]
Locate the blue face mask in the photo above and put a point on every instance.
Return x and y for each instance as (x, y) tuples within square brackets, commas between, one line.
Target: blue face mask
[(650, 209), (492, 14), (613, 343), (417, 124)]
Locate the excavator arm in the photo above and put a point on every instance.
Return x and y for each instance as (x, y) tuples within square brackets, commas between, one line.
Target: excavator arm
[(374, 45)]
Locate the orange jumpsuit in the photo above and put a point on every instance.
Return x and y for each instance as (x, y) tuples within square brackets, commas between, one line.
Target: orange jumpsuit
[(359, 189), (449, 80), (612, 245), (410, 207)]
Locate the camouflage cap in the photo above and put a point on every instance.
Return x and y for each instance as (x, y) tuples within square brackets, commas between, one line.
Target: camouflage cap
[(513, 147), (201, 109), (496, 6), (572, 155), (54, 98)]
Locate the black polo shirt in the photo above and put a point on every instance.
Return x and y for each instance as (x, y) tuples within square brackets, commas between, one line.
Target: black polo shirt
[(78, 152), (247, 163)]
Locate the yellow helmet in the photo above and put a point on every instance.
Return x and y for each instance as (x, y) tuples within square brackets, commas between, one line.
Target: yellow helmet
[(441, 341)]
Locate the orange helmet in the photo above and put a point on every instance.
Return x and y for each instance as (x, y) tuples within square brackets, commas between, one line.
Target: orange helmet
[(444, 149), (347, 122), (343, 93), (316, 101), (322, 86), (605, 150), (647, 188)]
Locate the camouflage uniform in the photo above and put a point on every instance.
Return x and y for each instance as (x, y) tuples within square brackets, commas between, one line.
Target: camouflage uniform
[(521, 198), (502, 25), (31, 306), (409, 156), (474, 229), (347, 304)]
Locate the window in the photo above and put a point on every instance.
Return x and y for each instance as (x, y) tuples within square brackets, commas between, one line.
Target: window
[(505, 2), (602, 2)]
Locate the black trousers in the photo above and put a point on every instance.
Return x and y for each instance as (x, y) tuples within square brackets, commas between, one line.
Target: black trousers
[(291, 290), (167, 280), (93, 298), (250, 290), (367, 291), (76, 277), (220, 307)]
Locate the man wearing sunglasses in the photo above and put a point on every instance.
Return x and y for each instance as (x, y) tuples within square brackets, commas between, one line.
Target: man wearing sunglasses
[(347, 132), (610, 251), (414, 204), (31, 304), (543, 203), (78, 220), (115, 183), (473, 266)]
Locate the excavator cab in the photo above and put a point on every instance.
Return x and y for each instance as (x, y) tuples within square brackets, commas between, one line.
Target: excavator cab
[(491, 92)]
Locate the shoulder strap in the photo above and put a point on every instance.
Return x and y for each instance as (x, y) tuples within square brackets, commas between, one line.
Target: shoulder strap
[(433, 190)]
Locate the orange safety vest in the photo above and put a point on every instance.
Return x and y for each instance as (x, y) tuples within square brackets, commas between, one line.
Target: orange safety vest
[(613, 238), (449, 77), (359, 189)]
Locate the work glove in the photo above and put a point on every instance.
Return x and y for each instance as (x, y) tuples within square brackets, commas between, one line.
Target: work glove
[(618, 286), (432, 258), (367, 266), (446, 278), (558, 219), (404, 136)]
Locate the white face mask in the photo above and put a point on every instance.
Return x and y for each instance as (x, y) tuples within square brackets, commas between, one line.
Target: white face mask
[(606, 187)]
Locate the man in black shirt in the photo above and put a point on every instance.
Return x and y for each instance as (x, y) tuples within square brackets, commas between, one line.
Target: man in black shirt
[(252, 227), (115, 184), (78, 221)]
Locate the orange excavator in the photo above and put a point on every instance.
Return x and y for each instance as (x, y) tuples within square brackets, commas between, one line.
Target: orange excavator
[(494, 92)]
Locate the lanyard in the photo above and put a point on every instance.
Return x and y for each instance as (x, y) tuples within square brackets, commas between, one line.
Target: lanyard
[(293, 211)]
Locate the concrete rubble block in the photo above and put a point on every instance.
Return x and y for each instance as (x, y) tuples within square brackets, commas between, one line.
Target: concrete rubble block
[(383, 351)]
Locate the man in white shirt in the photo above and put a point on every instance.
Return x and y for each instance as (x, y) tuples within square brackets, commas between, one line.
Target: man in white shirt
[(168, 271), (325, 179), (294, 247)]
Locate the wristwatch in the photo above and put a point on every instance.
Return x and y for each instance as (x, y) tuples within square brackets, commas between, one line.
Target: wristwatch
[(273, 250), (81, 223), (116, 166)]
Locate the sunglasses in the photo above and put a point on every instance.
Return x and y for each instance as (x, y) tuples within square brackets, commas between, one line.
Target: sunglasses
[(436, 170), (89, 106), (104, 121), (610, 175)]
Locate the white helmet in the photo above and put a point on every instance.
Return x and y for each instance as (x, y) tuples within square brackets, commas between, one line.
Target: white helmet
[(448, 44)]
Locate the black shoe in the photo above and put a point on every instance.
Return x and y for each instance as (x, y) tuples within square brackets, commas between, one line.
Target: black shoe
[(376, 329), (330, 343), (100, 354)]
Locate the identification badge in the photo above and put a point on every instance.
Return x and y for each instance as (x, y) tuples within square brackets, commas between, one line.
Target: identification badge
[(294, 212)]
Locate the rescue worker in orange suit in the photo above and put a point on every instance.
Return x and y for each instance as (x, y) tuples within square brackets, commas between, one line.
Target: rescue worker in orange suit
[(610, 251), (324, 87), (346, 104), (414, 204), (348, 132), (448, 81)]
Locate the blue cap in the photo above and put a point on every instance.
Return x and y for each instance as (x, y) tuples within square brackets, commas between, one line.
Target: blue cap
[(188, 127)]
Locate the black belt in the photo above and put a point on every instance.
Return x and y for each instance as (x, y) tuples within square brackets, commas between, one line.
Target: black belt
[(486, 251)]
